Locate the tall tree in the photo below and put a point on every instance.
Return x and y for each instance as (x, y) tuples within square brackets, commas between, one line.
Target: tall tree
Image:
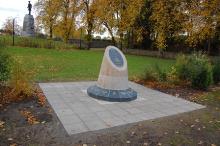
[(118, 16), (105, 15), (166, 21), (66, 24), (143, 27), (8, 26), (202, 21), (88, 10), (47, 14)]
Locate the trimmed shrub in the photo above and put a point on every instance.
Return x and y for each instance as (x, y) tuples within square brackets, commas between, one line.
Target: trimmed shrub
[(2, 44), (162, 76), (182, 68), (150, 75), (155, 73), (195, 68), (21, 81), (4, 67), (216, 70)]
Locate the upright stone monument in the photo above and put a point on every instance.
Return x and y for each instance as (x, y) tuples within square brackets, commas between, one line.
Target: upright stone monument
[(28, 24), (112, 83)]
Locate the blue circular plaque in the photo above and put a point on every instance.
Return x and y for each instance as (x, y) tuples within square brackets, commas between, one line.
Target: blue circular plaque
[(116, 57)]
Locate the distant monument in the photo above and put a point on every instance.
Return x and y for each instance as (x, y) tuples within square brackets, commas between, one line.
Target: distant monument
[(112, 83), (28, 24)]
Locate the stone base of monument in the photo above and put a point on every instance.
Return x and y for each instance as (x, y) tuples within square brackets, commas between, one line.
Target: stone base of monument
[(112, 95), (112, 83), (28, 26)]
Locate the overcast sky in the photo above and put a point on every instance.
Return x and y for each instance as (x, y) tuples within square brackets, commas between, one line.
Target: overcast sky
[(14, 8), (17, 9)]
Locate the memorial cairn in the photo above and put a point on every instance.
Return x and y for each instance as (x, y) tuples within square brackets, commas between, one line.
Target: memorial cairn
[(28, 24), (112, 84)]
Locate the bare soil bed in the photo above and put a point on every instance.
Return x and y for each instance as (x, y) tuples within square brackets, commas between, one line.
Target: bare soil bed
[(30, 122)]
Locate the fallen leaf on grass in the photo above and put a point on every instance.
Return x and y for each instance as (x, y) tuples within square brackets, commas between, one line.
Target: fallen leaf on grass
[(197, 120), (14, 144), (10, 139), (2, 124), (43, 122), (200, 142), (133, 133), (192, 126)]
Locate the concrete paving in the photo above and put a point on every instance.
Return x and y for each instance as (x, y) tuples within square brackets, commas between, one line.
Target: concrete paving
[(80, 113)]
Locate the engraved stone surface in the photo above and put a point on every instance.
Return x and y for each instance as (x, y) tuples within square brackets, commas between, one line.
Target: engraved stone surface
[(116, 57), (112, 83), (28, 26)]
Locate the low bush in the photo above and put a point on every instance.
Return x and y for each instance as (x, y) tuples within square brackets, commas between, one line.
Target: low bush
[(216, 70), (5, 67), (182, 67), (2, 44), (150, 75), (161, 74), (155, 73), (195, 68), (21, 81)]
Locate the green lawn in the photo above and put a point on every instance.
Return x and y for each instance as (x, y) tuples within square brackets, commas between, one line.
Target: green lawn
[(72, 65)]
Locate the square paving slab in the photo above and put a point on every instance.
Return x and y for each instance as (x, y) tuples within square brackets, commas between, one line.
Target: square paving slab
[(80, 113)]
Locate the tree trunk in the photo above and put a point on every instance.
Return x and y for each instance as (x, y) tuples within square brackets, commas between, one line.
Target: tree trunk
[(132, 38), (89, 38), (51, 32), (121, 41), (128, 37), (111, 33), (209, 46)]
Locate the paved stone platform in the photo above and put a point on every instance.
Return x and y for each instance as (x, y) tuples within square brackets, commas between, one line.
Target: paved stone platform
[(80, 113)]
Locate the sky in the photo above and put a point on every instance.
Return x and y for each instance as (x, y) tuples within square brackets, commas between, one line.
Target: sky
[(17, 9), (14, 9)]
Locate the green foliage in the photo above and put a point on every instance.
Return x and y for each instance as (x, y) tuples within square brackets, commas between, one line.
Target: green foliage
[(195, 68), (4, 67), (155, 73), (166, 20), (216, 71), (150, 75), (2, 44), (182, 68), (21, 80), (162, 76)]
